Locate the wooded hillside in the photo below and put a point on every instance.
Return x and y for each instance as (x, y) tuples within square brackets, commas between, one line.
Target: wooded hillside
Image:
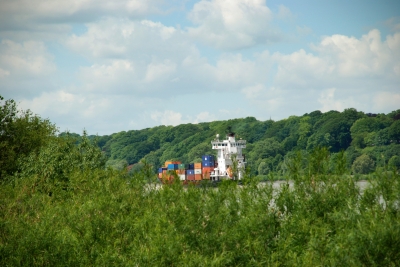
[(369, 140)]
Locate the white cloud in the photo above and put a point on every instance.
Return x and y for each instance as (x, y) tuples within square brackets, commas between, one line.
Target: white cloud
[(393, 23), (303, 30), (354, 70), (112, 38), (329, 102), (204, 116), (284, 13), (28, 59), (4, 73), (233, 24), (235, 70), (75, 110), (161, 70), (55, 103), (384, 101), (160, 60), (168, 117), (340, 61), (268, 100), (25, 68), (108, 78), (75, 10), (368, 55), (276, 85), (254, 92)]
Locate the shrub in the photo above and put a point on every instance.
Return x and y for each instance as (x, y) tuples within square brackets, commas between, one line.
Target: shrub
[(363, 165)]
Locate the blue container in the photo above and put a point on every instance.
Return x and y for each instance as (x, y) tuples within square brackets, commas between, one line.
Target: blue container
[(171, 166), (191, 166), (189, 172), (160, 170), (208, 158), (208, 164)]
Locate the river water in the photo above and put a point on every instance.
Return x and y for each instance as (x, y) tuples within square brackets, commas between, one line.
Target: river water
[(363, 184)]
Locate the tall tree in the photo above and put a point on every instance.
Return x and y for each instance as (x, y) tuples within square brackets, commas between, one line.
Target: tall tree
[(21, 133)]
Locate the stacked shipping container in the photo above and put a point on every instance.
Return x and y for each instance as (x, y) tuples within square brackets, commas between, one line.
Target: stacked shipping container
[(208, 166), (189, 172)]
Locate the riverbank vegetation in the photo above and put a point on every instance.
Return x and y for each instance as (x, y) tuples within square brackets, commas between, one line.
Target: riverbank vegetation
[(60, 205)]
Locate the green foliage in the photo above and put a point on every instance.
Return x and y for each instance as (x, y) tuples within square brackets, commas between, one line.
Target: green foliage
[(363, 165), (267, 148), (106, 218), (54, 163), (268, 142), (394, 162), (118, 164), (60, 206), (21, 133), (394, 132)]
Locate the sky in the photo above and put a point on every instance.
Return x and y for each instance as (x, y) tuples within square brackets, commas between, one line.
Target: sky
[(111, 66)]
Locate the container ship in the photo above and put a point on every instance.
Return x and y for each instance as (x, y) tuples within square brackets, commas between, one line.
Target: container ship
[(229, 163)]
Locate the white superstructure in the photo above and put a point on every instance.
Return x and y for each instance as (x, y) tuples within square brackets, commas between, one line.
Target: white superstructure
[(231, 161)]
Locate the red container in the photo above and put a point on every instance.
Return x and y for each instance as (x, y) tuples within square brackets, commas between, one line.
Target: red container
[(197, 177), (190, 177)]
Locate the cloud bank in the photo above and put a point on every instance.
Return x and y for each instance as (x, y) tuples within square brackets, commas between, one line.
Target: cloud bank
[(121, 70)]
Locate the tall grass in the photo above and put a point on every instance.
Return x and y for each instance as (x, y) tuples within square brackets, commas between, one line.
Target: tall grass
[(106, 218)]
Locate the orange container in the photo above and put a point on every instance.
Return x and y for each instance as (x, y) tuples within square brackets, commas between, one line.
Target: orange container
[(207, 171), (197, 165), (197, 177), (180, 171), (171, 162), (190, 177), (167, 162)]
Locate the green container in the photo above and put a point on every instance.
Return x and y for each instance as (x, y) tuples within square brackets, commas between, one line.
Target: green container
[(181, 166)]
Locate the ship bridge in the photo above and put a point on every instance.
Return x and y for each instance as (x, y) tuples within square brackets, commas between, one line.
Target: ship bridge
[(229, 150)]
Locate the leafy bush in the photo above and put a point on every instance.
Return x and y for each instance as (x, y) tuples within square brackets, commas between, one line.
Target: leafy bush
[(105, 219), (363, 165), (21, 133)]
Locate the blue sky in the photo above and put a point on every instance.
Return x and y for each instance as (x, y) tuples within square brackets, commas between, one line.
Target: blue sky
[(107, 66)]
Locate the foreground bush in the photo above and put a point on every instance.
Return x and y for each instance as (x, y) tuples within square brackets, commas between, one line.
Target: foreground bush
[(106, 218)]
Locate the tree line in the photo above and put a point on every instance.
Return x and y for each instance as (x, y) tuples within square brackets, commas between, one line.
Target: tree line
[(370, 141)]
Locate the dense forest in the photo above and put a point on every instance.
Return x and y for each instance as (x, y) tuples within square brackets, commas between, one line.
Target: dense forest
[(68, 200), (370, 141)]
